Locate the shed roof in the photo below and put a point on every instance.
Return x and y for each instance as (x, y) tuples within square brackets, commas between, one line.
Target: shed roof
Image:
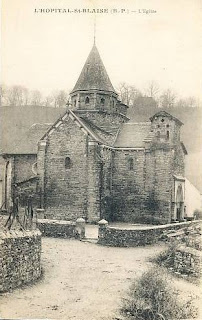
[(132, 135)]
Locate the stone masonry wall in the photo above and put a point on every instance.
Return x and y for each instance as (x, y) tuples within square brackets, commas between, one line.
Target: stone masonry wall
[(109, 122), (106, 184), (57, 228), (128, 193), (20, 258), (65, 189), (163, 183), (179, 161), (143, 193), (94, 179), (131, 237), (187, 261)]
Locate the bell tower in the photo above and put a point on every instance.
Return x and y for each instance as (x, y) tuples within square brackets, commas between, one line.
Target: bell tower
[(93, 90)]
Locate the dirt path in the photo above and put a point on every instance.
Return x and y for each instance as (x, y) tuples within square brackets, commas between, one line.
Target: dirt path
[(82, 281)]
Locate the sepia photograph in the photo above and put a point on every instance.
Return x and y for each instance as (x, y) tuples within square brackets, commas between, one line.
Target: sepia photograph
[(101, 160)]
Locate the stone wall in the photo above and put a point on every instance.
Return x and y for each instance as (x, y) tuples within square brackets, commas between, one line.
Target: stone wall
[(20, 258), (108, 122), (128, 192), (142, 194), (65, 188), (187, 261), (163, 182), (57, 228), (133, 237)]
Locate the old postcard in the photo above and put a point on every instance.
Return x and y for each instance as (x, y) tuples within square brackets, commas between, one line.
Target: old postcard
[(100, 159)]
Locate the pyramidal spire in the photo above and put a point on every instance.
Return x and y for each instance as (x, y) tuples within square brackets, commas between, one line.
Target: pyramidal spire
[(93, 75)]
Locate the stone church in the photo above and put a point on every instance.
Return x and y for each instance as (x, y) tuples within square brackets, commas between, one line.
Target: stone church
[(94, 163)]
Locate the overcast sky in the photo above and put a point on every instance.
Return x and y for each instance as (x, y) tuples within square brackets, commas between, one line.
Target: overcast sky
[(46, 51)]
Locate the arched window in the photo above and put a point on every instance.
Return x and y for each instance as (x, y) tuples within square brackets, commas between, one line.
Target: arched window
[(67, 163), (75, 102), (130, 164), (167, 135), (87, 100), (102, 101)]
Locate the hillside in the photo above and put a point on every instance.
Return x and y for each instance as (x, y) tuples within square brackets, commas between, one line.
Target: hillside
[(15, 121)]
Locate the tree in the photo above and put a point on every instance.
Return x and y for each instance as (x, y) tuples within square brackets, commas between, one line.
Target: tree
[(36, 98), (59, 98), (62, 98), (14, 95), (128, 94), (49, 101), (167, 99), (3, 94), (152, 89)]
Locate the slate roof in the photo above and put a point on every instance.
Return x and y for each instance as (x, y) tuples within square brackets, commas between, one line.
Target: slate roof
[(132, 135), (166, 114), (93, 75)]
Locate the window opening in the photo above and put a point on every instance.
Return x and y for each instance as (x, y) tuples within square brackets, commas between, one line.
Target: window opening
[(102, 101), (130, 164), (67, 163), (87, 100)]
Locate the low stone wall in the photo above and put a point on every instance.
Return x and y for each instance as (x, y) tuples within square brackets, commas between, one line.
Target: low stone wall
[(131, 237), (187, 261), (62, 228), (20, 258)]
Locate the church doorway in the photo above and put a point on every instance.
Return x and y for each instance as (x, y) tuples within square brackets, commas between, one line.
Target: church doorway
[(179, 204)]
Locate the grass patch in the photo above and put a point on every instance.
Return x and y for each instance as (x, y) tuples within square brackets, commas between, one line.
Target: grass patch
[(152, 297)]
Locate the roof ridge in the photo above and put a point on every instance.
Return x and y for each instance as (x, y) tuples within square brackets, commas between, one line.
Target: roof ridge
[(145, 122)]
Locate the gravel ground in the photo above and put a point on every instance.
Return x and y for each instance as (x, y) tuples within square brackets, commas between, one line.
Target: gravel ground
[(81, 281)]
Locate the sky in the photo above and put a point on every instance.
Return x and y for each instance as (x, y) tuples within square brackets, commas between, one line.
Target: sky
[(47, 50)]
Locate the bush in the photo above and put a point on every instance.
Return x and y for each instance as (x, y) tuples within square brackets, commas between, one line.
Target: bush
[(197, 214), (153, 298), (166, 258)]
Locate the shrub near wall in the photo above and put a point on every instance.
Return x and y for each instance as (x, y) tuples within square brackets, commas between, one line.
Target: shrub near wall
[(20, 258), (187, 261)]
